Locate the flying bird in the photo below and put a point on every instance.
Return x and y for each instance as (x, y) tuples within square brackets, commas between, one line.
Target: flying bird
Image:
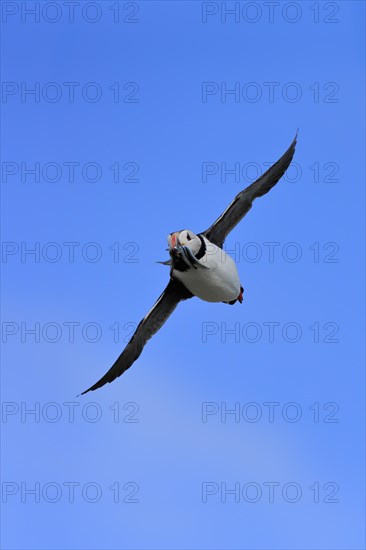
[(199, 267)]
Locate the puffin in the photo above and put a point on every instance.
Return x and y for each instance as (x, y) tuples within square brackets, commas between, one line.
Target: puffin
[(198, 267)]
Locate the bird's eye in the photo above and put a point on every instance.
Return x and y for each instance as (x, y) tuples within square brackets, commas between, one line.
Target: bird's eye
[(189, 238)]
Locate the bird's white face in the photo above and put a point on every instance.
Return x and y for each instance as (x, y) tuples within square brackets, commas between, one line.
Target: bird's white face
[(184, 238)]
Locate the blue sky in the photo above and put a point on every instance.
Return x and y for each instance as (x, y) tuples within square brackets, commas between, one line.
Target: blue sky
[(140, 113)]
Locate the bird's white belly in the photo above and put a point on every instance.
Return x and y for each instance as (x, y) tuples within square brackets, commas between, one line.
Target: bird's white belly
[(219, 283)]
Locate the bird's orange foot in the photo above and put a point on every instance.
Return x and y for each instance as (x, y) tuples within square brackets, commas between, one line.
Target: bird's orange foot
[(240, 297)]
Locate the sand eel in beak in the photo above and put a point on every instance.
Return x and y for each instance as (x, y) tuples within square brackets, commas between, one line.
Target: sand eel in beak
[(199, 267), (187, 248)]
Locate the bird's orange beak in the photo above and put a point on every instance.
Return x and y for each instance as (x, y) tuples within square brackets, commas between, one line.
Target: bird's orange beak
[(174, 239)]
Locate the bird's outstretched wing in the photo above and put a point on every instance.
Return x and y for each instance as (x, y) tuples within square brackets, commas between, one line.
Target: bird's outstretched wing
[(242, 203), (150, 324)]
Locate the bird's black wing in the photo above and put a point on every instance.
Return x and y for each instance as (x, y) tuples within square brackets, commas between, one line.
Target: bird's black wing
[(242, 203), (150, 324)]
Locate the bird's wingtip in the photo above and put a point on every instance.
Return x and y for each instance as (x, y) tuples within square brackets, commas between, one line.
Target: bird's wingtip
[(83, 392), (294, 141)]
